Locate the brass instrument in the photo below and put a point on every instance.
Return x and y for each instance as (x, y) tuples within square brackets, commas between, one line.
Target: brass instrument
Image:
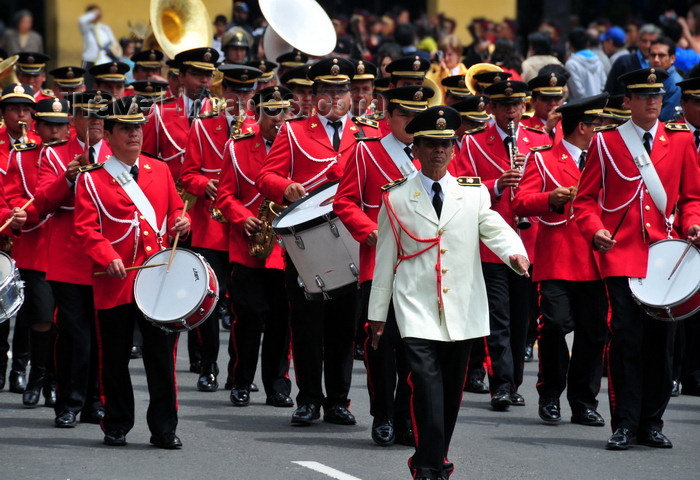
[(437, 97), (25, 144), (261, 243), (522, 223), (180, 25), (475, 70), (7, 71)]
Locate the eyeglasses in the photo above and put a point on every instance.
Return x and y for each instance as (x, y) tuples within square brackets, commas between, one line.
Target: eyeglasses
[(659, 55)]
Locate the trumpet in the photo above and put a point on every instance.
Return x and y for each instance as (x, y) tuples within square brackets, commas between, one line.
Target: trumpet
[(522, 223), (24, 144), (215, 213)]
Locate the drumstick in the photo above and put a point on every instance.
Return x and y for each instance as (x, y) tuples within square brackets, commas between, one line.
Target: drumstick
[(128, 269), (177, 238), (21, 209), (612, 237), (675, 267)]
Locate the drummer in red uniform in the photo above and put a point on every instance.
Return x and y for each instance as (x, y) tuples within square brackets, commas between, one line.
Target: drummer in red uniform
[(31, 69), (257, 283), (638, 176), (376, 163), (124, 211), (572, 294), (307, 153)]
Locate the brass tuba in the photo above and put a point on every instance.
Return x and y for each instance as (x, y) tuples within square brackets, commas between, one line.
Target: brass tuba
[(475, 70), (180, 25), (261, 243)]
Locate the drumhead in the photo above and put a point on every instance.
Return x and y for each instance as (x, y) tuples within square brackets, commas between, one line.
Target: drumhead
[(7, 266), (168, 297), (307, 212), (656, 289)]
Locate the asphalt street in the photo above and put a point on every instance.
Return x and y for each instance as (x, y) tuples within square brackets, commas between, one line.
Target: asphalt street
[(258, 443)]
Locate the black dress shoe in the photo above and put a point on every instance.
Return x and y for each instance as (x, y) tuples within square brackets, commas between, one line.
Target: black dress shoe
[(226, 321), (620, 439), (406, 437), (383, 432), (339, 415), (500, 400), (305, 414), (588, 417), (476, 385), (65, 420), (517, 400), (254, 388), (49, 392), (549, 410), (207, 379), (94, 416), (136, 352), (169, 441), (676, 388), (18, 381), (529, 353), (30, 397), (240, 397), (115, 438), (359, 352), (280, 399), (654, 438)]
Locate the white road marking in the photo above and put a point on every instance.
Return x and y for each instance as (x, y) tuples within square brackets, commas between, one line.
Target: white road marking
[(331, 472)]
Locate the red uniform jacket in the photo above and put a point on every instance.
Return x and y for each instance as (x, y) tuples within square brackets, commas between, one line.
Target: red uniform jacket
[(29, 249), (6, 146), (303, 153), (5, 211), (110, 227), (67, 259), (167, 132), (536, 122), (238, 198), (611, 181), (359, 195), (562, 252), (205, 151), (483, 155)]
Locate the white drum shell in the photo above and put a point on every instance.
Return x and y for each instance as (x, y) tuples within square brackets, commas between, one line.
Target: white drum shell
[(11, 288)]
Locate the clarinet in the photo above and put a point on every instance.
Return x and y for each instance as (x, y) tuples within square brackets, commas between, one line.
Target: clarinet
[(522, 223)]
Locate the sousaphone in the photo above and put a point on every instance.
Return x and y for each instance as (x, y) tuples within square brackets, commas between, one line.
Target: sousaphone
[(300, 24), (476, 69), (7, 71), (180, 25)]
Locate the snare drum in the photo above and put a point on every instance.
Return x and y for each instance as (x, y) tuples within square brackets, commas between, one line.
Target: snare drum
[(11, 287), (181, 299), (673, 298), (323, 251)]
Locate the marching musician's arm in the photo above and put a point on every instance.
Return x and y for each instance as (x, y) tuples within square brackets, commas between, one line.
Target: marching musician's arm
[(53, 190), (529, 198), (150, 134), (16, 194), (689, 204), (227, 199), (273, 178), (586, 208), (178, 220), (348, 200), (386, 258)]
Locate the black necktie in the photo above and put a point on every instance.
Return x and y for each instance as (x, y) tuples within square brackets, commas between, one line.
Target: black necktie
[(647, 142), (508, 142), (553, 133), (135, 172), (437, 201), (582, 160), (92, 155), (408, 152), (697, 138), (336, 134), (268, 143)]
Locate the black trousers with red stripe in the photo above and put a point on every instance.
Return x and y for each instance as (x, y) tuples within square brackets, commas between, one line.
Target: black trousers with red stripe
[(114, 335), (641, 352), (438, 372), (579, 307), (387, 371)]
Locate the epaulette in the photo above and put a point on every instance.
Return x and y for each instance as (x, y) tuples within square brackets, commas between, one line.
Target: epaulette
[(534, 129), (88, 168), (604, 128), (541, 148), (366, 122), (469, 181), (48, 92), (244, 135), (150, 155), (476, 130), (677, 127), (365, 139), (391, 185), (56, 143)]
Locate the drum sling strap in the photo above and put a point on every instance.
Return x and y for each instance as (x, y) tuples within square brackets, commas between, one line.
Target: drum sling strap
[(123, 177), (646, 169)]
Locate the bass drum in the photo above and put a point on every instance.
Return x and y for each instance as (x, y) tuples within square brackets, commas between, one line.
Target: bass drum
[(323, 251), (178, 300), (11, 288), (667, 296)]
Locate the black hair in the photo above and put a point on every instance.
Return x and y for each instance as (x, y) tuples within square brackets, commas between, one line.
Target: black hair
[(672, 29), (540, 43), (404, 34), (505, 55), (663, 40), (570, 123), (578, 38), (20, 15)]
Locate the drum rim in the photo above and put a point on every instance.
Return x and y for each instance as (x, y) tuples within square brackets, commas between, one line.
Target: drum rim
[(201, 299), (670, 305), (307, 225)]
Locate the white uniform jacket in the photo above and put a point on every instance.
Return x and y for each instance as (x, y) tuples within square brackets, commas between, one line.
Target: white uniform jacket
[(449, 272)]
